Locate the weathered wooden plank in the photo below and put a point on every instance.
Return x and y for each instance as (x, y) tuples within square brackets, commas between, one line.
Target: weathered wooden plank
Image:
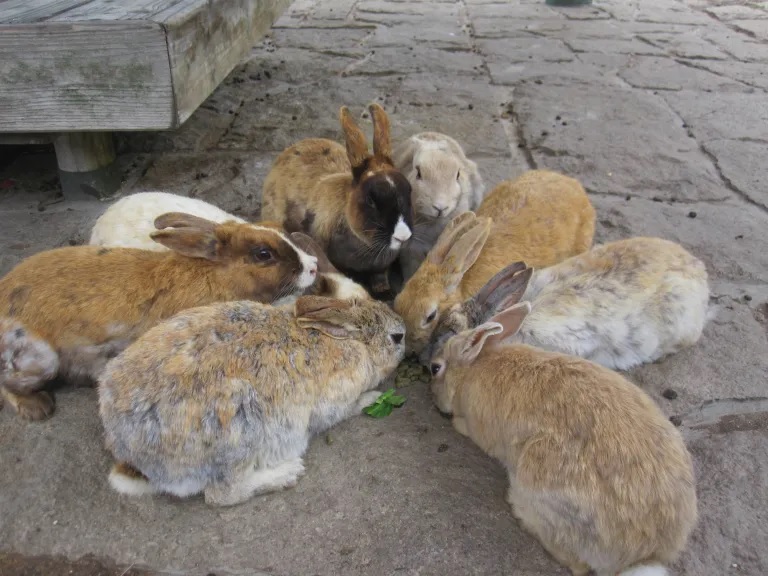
[(117, 10), (206, 40), (81, 77), (29, 11)]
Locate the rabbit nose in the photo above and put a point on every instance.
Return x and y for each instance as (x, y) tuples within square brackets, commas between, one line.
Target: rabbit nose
[(313, 268), (440, 209), (397, 338)]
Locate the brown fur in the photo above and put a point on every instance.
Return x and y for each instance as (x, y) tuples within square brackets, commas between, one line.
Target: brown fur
[(541, 218), (597, 472), (88, 303)]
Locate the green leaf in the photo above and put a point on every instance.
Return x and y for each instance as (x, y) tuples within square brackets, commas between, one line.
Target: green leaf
[(397, 400), (383, 405), (379, 410)]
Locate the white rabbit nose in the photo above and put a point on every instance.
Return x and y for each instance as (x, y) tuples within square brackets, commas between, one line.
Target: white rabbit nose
[(440, 209), (402, 232)]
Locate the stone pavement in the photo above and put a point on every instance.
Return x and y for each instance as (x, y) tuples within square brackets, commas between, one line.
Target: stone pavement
[(658, 106)]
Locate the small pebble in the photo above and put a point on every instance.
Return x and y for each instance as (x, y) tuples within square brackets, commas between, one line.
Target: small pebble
[(293, 117), (565, 123), (544, 133), (328, 439), (537, 82), (628, 198), (691, 214), (676, 420), (470, 107), (442, 448), (739, 237), (557, 117), (669, 394), (657, 199), (747, 298)]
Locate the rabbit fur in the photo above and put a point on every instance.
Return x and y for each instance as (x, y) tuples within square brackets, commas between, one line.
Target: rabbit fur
[(68, 311), (596, 471), (540, 218), (355, 204), (444, 183), (620, 304), (223, 399), (130, 221)]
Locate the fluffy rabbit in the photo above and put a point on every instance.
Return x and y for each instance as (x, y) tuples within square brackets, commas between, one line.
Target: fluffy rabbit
[(68, 311), (540, 218), (330, 282), (445, 183), (620, 304), (130, 221), (596, 471), (356, 205), (224, 399)]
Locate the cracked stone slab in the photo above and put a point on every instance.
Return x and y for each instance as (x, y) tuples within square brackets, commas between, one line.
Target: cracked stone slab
[(756, 28), (551, 73), (535, 11), (414, 497), (523, 49), (667, 74), (737, 45), (346, 41), (511, 27), (685, 45), (736, 12), (605, 45), (395, 61), (751, 73), (405, 9), (647, 153), (728, 116), (402, 35), (743, 164)]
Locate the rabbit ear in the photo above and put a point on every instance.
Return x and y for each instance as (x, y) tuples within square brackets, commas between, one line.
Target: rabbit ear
[(182, 220), (311, 247), (510, 320), (357, 146), (463, 254), (505, 289), (453, 230), (326, 315), (192, 242), (475, 340), (382, 147)]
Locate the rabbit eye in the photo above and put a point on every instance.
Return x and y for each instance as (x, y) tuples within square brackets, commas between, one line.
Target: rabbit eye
[(418, 173), (262, 254), (458, 175), (435, 368), (431, 317), (370, 202)]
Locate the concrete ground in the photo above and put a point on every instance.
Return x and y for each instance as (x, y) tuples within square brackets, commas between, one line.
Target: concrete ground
[(658, 106)]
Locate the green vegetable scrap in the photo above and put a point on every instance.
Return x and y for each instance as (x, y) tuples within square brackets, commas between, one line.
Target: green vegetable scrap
[(383, 405)]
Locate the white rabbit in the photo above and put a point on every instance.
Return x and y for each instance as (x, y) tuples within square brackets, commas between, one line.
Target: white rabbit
[(444, 184), (129, 222)]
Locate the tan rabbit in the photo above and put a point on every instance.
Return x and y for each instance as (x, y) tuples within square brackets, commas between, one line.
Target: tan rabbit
[(356, 205), (540, 218), (224, 399), (596, 471), (68, 311)]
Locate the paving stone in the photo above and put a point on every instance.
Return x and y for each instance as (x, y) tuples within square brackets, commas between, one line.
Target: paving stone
[(343, 41), (548, 73), (510, 27), (755, 28), (654, 157), (729, 116), (738, 45), (743, 164), (751, 73), (685, 45), (401, 35), (523, 49), (736, 12), (668, 74)]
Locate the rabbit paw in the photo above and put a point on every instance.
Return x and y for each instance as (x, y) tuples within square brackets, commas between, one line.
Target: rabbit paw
[(32, 407), (366, 399)]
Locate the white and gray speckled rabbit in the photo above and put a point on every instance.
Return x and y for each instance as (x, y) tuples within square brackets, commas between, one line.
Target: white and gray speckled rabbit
[(596, 470), (620, 304), (224, 399), (444, 184)]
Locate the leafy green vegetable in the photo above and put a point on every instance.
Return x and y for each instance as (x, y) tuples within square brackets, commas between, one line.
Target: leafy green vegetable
[(383, 405)]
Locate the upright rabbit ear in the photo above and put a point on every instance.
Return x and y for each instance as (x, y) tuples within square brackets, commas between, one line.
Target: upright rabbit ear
[(311, 247), (463, 253), (448, 236), (505, 289), (357, 147), (182, 220), (510, 320), (382, 146), (476, 339), (326, 315), (192, 242)]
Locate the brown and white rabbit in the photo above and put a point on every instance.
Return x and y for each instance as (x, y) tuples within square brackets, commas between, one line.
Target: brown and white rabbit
[(130, 222), (356, 205), (68, 311), (540, 218), (620, 304), (330, 282), (596, 471), (224, 399), (444, 183)]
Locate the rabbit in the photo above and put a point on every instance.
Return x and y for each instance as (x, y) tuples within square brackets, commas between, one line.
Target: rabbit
[(444, 183), (129, 222), (540, 218), (356, 205), (67, 311), (620, 304), (330, 282), (597, 473), (223, 399)]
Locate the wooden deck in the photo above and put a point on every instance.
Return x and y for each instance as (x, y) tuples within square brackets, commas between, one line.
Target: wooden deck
[(113, 65)]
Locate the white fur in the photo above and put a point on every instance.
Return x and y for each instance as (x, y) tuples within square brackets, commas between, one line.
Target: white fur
[(257, 481), (130, 220), (346, 288), (130, 486), (649, 570), (400, 235)]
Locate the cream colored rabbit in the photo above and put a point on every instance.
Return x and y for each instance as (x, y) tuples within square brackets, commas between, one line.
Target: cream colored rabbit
[(596, 471)]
